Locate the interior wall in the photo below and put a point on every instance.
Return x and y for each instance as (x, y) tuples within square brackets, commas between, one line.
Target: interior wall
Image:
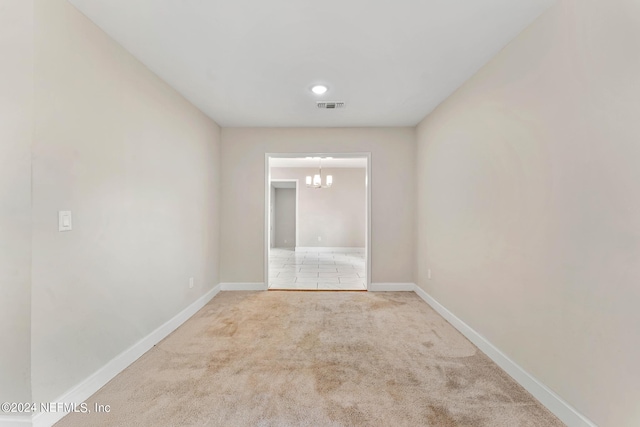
[(285, 218), (529, 209), (138, 167), (336, 215), (243, 193), (16, 135)]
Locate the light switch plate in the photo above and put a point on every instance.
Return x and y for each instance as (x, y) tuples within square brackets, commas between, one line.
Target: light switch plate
[(64, 221)]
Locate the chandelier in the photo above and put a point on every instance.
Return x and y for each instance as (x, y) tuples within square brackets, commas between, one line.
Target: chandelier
[(316, 181)]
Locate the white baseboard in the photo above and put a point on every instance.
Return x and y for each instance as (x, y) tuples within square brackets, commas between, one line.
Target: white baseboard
[(93, 383), (328, 249), (243, 287), (391, 287), (565, 412), (6, 421)]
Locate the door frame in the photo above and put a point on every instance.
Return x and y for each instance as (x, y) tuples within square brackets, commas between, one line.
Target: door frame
[(267, 204)]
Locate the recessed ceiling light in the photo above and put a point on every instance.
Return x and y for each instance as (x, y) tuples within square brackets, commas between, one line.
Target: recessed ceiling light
[(319, 89)]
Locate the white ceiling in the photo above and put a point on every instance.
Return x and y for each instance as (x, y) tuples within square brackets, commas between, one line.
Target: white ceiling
[(313, 162), (252, 62)]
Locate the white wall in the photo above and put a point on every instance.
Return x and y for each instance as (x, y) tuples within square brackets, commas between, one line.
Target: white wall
[(337, 214), (16, 134), (285, 218), (529, 205), (138, 167), (243, 193)]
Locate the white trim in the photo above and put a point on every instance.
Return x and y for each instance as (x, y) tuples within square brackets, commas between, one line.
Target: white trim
[(297, 210), (243, 287), (565, 412), (392, 287), (95, 381), (367, 255), (330, 249), (17, 421), (267, 218)]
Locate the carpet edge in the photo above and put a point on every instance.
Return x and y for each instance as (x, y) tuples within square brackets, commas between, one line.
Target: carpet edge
[(391, 287), (238, 286)]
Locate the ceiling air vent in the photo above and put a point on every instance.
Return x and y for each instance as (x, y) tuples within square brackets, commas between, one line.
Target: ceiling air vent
[(330, 105)]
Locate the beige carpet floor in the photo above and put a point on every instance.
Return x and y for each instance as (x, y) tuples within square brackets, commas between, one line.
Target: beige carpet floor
[(315, 359)]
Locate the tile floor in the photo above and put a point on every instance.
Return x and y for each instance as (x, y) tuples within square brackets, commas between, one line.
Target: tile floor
[(337, 270)]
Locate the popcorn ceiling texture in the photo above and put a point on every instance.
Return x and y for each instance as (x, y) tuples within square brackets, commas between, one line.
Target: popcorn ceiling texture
[(315, 359)]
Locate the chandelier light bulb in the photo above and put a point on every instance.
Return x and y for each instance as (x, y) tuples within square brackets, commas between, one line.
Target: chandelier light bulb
[(316, 180)]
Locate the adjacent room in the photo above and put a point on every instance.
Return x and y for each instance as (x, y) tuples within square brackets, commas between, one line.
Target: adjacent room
[(318, 220), (336, 213)]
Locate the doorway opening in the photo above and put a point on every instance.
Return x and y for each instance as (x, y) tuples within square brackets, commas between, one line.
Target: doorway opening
[(283, 213), (317, 221)]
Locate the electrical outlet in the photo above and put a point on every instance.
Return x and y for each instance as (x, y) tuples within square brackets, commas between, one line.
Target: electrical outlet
[(429, 273), (319, 239), (191, 281)]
